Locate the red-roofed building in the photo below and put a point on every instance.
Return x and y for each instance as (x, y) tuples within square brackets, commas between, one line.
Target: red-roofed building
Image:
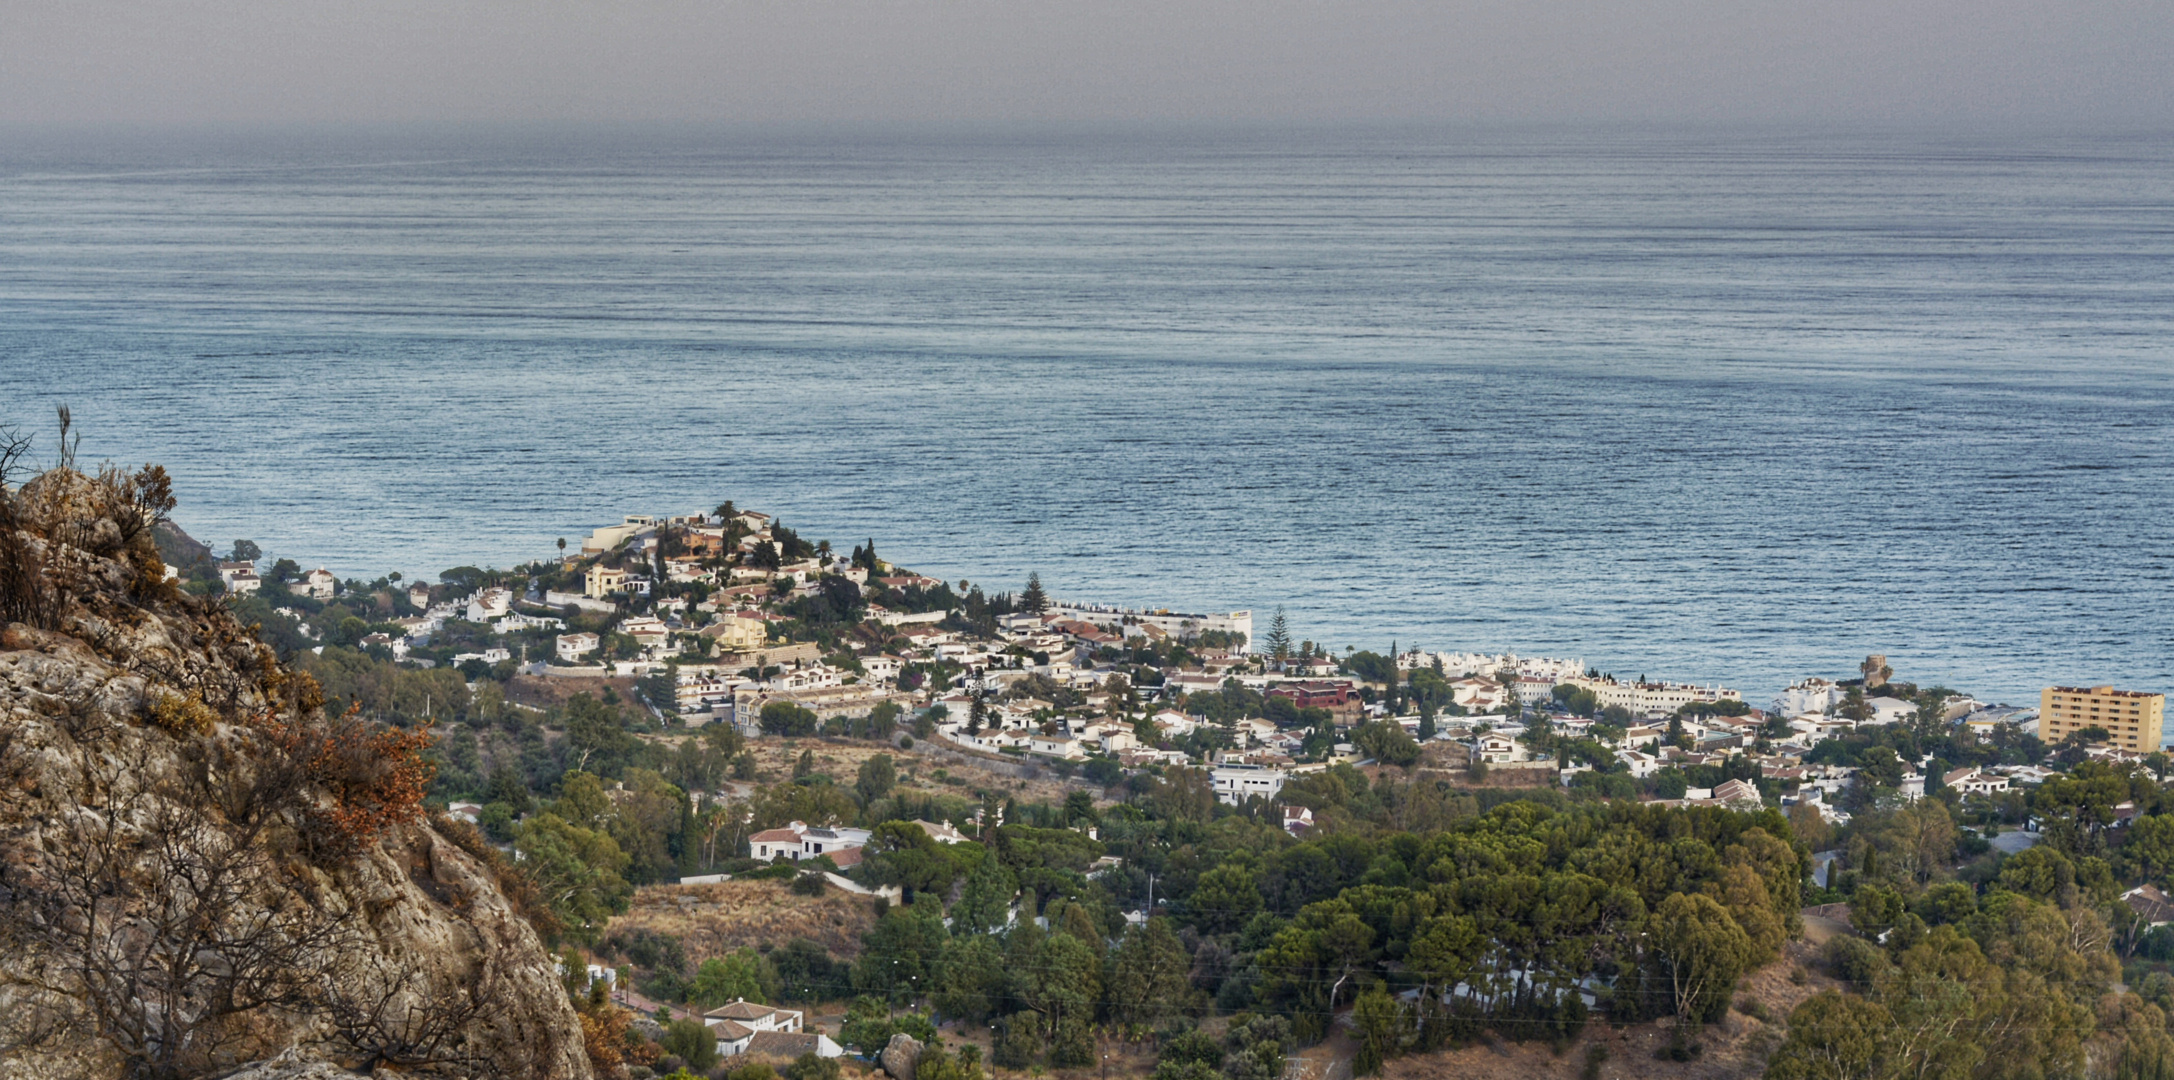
[(1311, 694), (1085, 631), (1297, 820), (775, 843), (910, 581)]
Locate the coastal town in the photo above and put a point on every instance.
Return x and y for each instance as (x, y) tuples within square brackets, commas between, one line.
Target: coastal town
[(672, 719), (752, 627)]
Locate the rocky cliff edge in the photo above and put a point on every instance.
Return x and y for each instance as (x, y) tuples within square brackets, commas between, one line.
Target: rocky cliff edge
[(200, 870)]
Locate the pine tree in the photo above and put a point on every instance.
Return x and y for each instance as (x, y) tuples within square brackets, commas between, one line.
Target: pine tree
[(1279, 637), (1034, 599)]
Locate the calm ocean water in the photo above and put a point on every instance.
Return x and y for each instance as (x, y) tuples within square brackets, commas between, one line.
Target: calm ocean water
[(1721, 407)]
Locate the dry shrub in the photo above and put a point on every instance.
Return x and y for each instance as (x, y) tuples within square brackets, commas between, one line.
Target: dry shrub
[(183, 714), (604, 1036), (57, 528), (373, 778)]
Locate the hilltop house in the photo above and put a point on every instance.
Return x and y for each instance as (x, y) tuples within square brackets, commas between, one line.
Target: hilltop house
[(1313, 694), (489, 604), (1234, 784), (1056, 746), (239, 577), (1496, 749), (572, 647), (1478, 695), (1297, 820), (943, 832), (648, 631), (737, 632), (318, 584), (797, 841), (1974, 782), (738, 1025), (603, 582), (1887, 710), (1737, 793)]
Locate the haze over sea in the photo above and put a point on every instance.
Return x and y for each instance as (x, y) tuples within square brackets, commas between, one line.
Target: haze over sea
[(1727, 406)]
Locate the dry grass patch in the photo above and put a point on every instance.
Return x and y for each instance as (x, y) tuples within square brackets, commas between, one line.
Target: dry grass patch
[(716, 919)]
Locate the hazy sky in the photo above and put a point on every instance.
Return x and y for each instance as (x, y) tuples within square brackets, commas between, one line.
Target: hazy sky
[(158, 62)]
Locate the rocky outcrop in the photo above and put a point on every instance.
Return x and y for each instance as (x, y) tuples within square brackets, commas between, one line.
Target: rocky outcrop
[(900, 1056), (293, 1066), (199, 869)]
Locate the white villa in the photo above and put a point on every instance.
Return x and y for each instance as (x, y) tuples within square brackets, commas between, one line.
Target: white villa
[(1234, 784)]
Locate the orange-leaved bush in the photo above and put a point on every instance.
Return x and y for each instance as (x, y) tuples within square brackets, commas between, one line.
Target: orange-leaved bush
[(373, 776)]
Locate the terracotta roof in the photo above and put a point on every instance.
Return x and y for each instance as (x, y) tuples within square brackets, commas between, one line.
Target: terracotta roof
[(785, 1044), (2151, 904), (775, 836), (731, 1029), (740, 1010), (1735, 789)]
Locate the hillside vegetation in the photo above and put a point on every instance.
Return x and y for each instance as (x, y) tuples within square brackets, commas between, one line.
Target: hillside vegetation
[(199, 866)]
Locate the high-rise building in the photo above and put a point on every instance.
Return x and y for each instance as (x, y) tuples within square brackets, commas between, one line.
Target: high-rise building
[(2132, 718)]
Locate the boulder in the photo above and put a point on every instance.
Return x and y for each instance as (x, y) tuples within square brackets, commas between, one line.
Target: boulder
[(900, 1056)]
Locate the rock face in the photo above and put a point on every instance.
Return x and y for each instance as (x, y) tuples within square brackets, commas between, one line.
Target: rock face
[(293, 1066), (900, 1056), (198, 868)]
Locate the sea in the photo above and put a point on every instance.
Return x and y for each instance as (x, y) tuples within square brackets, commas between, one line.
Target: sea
[(1728, 406)]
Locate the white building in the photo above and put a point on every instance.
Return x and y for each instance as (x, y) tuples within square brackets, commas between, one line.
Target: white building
[(611, 536), (1973, 782), (833, 842), (1913, 786), (1477, 694), (1178, 624), (1809, 696), (736, 1025), (318, 584), (576, 646), (490, 604), (1498, 749), (518, 621), (1234, 784), (648, 631), (1887, 710), (943, 832), (1551, 670), (797, 841), (239, 577), (1652, 698), (1056, 746), (1297, 820)]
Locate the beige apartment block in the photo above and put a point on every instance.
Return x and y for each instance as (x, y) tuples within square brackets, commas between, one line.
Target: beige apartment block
[(2132, 717)]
